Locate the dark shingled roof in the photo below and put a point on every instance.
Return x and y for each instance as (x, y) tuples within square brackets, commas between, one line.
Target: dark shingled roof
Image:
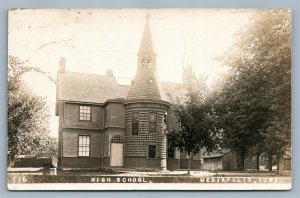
[(91, 88), (146, 43), (217, 154), (174, 91), (146, 84), (143, 89)]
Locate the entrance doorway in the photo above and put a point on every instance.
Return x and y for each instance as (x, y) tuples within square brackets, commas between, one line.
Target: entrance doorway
[(116, 151)]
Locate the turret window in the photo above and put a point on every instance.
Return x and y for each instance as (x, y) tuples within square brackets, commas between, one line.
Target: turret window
[(151, 151), (135, 123), (152, 122), (165, 118)]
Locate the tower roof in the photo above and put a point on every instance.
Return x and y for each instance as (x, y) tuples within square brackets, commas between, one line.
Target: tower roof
[(146, 43), (146, 84)]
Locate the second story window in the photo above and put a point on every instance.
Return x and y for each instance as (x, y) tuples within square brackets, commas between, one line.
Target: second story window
[(135, 123), (85, 113), (152, 122)]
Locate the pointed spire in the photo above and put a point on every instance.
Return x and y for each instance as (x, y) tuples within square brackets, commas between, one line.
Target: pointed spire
[(147, 17), (146, 84), (146, 43)]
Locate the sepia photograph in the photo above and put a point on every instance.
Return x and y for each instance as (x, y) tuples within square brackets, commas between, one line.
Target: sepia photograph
[(149, 99)]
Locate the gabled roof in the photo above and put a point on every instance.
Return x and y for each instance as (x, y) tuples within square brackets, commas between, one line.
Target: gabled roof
[(174, 91), (89, 88), (217, 153), (92, 88)]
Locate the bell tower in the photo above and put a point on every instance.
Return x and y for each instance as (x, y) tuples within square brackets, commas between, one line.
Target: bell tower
[(146, 106), (146, 84)]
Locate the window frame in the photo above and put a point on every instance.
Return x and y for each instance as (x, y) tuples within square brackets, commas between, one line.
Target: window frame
[(151, 122), (83, 115), (136, 124), (165, 116), (84, 146)]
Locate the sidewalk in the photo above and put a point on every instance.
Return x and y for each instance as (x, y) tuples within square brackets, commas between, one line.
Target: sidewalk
[(141, 173)]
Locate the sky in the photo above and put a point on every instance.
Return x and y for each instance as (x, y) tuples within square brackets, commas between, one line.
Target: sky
[(94, 40)]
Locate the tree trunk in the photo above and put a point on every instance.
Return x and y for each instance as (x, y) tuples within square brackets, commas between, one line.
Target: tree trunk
[(242, 161), (189, 164), (11, 160), (257, 162), (279, 164), (200, 159), (270, 156)]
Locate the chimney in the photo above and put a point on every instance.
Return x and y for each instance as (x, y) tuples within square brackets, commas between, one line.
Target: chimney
[(62, 64), (110, 73)]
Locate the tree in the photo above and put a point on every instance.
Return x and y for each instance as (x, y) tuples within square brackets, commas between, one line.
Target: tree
[(195, 119), (27, 116), (255, 103), (240, 117)]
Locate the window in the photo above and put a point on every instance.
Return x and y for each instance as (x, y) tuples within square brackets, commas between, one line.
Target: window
[(85, 113), (144, 64), (150, 80), (171, 153), (135, 123), (152, 122), (116, 139), (84, 146), (152, 151), (149, 64), (165, 118), (180, 126)]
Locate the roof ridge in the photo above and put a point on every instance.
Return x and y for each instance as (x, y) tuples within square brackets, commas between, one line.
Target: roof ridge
[(72, 72)]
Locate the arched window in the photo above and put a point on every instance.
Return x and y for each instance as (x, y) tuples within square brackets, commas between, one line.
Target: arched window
[(116, 139)]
